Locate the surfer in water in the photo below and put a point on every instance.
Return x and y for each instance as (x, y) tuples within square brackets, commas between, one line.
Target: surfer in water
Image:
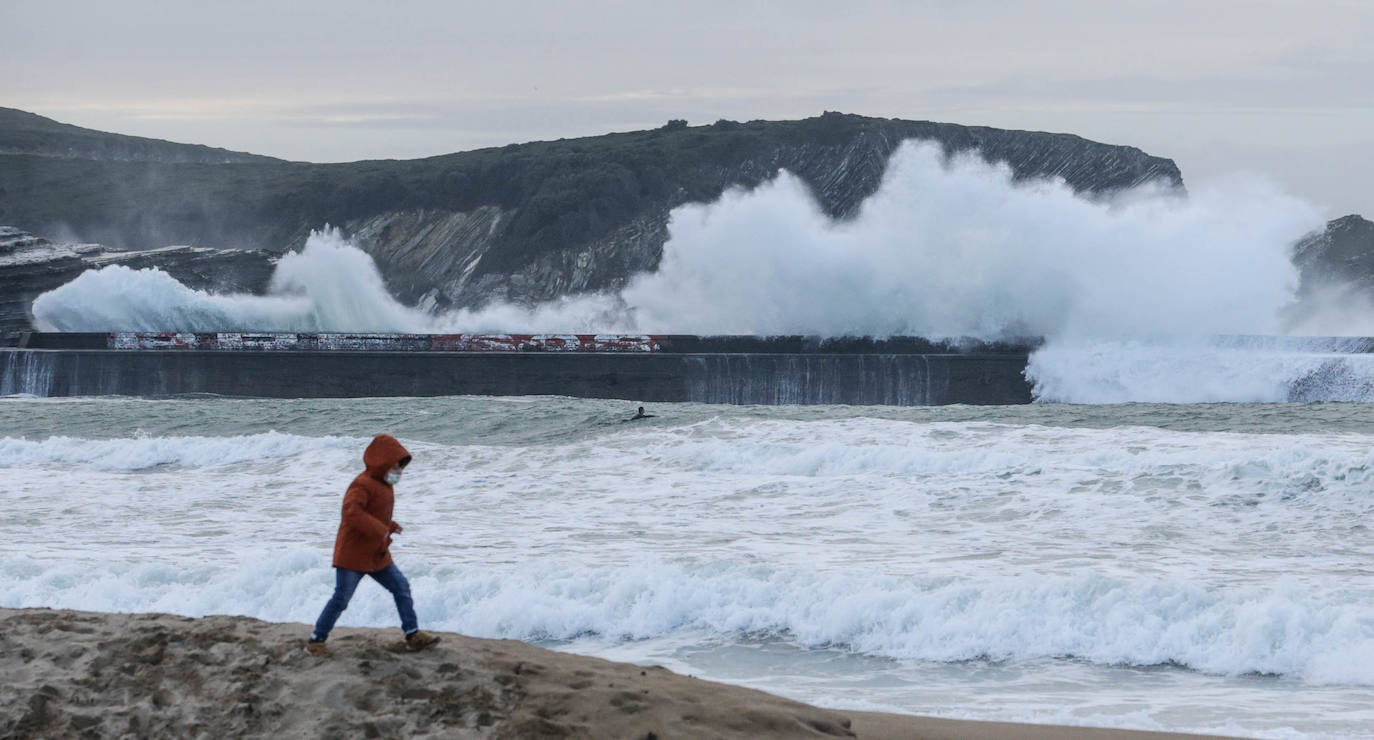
[(361, 547), (640, 415)]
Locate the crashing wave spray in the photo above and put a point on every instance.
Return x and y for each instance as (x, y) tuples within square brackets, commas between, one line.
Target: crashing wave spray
[(954, 246), (329, 285), (1126, 287), (945, 247)]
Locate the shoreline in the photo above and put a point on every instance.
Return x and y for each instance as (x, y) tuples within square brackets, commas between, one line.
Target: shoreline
[(97, 674)]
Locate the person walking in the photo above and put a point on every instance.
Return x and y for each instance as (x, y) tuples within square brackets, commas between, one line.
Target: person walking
[(361, 547)]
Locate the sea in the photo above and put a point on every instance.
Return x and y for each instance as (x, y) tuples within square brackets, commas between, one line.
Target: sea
[(1201, 567), (1174, 537)]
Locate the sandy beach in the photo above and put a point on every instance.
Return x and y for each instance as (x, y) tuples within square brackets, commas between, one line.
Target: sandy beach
[(92, 674)]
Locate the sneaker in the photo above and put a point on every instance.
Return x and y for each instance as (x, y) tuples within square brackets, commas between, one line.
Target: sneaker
[(419, 640), (317, 648)]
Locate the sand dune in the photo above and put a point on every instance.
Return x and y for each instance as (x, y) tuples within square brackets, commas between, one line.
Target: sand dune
[(90, 674)]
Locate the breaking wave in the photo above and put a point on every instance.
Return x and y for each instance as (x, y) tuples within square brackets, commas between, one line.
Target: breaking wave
[(1287, 630), (141, 453)]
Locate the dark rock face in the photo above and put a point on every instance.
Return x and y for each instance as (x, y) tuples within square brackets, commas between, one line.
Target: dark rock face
[(526, 222), (1336, 285), (1340, 255), (31, 265)]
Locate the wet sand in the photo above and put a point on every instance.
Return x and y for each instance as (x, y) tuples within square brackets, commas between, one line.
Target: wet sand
[(91, 674)]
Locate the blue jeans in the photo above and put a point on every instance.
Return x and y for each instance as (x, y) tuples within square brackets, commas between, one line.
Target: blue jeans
[(346, 582)]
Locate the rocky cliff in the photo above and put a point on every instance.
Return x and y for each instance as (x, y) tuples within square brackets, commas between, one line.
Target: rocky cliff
[(524, 222), (1336, 286), (1341, 255)]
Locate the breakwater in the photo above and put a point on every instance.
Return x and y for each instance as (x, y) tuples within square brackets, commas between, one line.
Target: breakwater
[(902, 371)]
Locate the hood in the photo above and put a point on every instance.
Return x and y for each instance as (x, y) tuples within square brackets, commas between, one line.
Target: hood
[(383, 454)]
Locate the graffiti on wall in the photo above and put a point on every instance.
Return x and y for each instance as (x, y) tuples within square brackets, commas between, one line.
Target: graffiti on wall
[(269, 342)]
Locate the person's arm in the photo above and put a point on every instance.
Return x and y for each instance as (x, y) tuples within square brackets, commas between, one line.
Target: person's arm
[(356, 516)]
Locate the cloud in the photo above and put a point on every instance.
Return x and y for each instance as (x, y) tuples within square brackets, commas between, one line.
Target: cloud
[(319, 80)]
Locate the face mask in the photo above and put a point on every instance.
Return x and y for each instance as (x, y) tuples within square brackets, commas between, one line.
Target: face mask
[(393, 477)]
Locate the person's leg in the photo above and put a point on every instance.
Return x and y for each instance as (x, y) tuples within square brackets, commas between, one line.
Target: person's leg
[(392, 580), (345, 583)]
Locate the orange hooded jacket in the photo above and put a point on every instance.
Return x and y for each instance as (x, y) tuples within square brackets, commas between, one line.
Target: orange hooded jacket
[(365, 531)]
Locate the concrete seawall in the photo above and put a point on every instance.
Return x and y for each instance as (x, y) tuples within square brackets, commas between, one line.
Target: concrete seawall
[(821, 376)]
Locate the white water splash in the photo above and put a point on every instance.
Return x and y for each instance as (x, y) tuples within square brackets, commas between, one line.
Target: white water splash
[(329, 285), (1125, 288), (945, 247), (1189, 370)]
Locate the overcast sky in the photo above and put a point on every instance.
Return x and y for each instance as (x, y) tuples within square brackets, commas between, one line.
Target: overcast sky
[(1276, 87)]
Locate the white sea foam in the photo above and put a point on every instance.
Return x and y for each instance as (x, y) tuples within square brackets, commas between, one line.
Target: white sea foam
[(1195, 371), (811, 552), (1287, 629), (980, 451), (983, 540)]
